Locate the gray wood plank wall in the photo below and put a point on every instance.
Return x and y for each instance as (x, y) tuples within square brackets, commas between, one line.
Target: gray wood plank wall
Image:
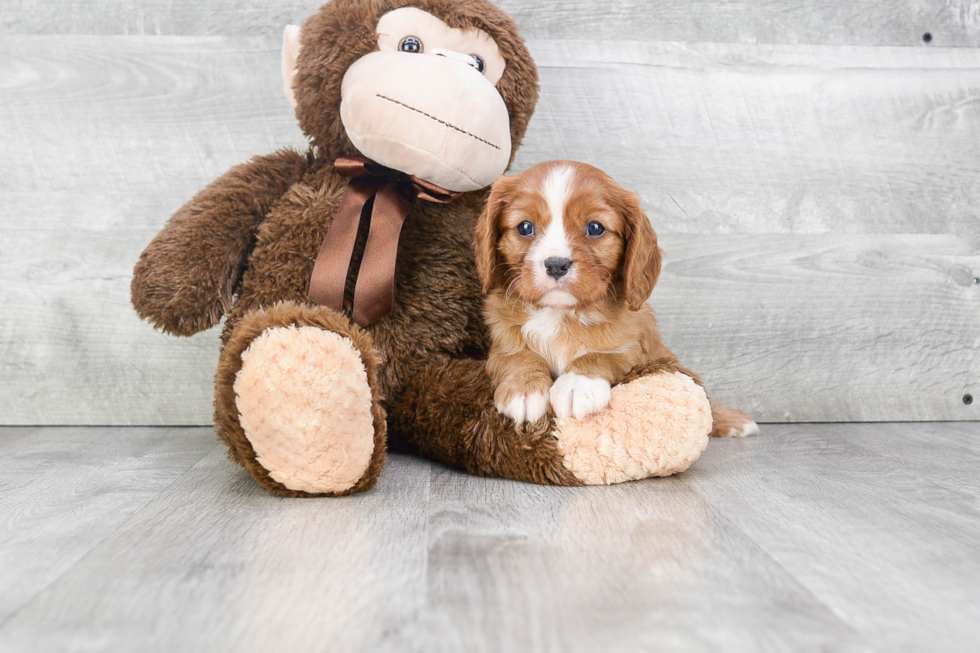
[(813, 169), (859, 22)]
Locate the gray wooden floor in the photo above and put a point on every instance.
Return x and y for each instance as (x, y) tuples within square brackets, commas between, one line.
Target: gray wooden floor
[(809, 537)]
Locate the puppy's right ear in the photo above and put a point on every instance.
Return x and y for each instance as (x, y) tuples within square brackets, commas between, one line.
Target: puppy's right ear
[(642, 258), (488, 264)]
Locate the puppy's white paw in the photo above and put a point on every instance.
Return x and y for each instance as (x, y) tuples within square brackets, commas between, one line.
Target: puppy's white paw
[(525, 408), (744, 430), (574, 395)]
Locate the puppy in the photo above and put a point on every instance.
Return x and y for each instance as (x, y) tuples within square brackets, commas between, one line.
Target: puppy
[(569, 260)]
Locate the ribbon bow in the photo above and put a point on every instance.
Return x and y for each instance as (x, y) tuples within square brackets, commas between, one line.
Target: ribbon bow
[(377, 200)]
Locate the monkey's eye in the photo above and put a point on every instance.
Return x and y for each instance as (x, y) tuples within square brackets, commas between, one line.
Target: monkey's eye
[(410, 44), (525, 229), (480, 65), (594, 229)]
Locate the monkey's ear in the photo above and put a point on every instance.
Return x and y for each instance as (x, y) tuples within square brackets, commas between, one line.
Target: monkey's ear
[(290, 53)]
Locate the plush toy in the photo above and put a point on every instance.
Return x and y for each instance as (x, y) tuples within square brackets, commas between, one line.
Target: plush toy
[(347, 277)]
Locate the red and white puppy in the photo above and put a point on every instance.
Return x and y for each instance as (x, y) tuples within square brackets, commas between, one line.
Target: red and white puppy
[(569, 260)]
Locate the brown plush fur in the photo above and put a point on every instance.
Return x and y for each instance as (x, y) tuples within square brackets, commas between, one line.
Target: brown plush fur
[(185, 279), (448, 415), (435, 262)]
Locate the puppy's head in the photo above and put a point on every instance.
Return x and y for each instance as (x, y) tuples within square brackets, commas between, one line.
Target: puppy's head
[(565, 234)]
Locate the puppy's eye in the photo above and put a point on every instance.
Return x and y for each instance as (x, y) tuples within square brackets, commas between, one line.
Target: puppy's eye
[(594, 229), (411, 44), (525, 229), (480, 65)]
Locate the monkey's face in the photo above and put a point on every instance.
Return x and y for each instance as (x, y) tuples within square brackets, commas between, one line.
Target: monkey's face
[(426, 100)]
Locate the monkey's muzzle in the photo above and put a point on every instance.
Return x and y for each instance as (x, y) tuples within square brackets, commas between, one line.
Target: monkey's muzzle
[(427, 116)]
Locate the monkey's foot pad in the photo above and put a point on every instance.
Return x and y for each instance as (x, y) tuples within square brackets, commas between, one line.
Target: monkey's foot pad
[(656, 425), (305, 407)]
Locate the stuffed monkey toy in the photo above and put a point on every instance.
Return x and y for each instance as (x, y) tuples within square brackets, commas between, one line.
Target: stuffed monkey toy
[(347, 277)]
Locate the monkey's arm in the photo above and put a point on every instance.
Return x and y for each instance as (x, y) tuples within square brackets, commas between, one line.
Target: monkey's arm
[(185, 278)]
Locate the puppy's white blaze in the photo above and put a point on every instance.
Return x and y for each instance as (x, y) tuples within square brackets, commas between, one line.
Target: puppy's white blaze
[(574, 395), (557, 188)]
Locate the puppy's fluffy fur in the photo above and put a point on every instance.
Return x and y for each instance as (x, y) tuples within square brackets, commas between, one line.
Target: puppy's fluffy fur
[(564, 338)]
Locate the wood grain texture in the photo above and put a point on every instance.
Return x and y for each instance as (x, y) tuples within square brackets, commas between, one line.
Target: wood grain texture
[(753, 139), (100, 141), (64, 490), (795, 328), (863, 22), (868, 532), (805, 538), (813, 159), (814, 328), (948, 457), (215, 563), (634, 567)]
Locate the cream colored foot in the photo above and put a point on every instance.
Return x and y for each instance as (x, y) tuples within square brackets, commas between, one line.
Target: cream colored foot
[(656, 425), (305, 406)]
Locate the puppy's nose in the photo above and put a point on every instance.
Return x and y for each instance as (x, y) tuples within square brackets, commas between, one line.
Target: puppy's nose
[(557, 267)]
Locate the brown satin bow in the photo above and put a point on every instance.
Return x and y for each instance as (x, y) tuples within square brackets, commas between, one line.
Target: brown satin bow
[(393, 194)]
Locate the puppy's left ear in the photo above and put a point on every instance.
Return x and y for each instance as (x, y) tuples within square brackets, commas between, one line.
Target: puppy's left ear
[(641, 262), (488, 233)]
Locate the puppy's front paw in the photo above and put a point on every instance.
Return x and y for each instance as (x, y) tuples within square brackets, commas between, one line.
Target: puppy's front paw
[(574, 395), (522, 402)]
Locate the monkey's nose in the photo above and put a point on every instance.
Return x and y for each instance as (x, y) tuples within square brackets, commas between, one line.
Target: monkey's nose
[(557, 267), (452, 54)]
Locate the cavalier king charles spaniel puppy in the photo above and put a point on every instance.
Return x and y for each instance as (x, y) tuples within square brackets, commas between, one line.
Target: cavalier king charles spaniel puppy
[(569, 260)]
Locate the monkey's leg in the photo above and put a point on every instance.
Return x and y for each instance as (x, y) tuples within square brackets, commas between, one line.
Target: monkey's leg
[(297, 401), (656, 424)]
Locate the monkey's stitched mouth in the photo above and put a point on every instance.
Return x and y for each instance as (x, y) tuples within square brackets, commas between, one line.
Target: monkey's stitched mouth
[(443, 122)]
